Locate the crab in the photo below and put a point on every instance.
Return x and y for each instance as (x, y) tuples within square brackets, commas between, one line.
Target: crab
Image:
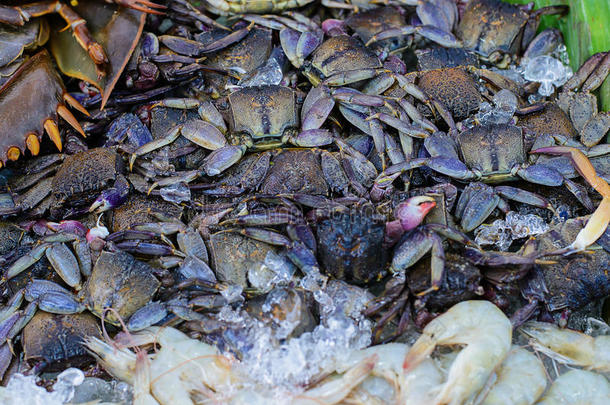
[(350, 245), (496, 30), (412, 242), (20, 14), (549, 281), (552, 126), (260, 118), (449, 77), (51, 340), (402, 298), (17, 131), (246, 55), (503, 159), (575, 281), (87, 181), (226, 7), (582, 105), (114, 279), (22, 91), (233, 254), (437, 19)]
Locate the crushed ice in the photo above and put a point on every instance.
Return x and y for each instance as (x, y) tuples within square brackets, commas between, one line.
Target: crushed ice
[(502, 232), (276, 269), (280, 364), (505, 105), (176, 193), (22, 389), (269, 73), (548, 71)]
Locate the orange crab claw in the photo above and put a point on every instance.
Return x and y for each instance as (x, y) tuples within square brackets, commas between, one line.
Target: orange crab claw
[(33, 144), (75, 104), (70, 119), (51, 127), (598, 222), (142, 5), (13, 153)]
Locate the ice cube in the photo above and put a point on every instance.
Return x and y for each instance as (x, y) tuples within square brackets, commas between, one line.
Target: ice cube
[(269, 73), (176, 193), (282, 267), (496, 234), (547, 71), (261, 277), (23, 389), (233, 293)]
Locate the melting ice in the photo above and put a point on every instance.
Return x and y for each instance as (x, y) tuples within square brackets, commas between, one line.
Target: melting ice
[(501, 233), (547, 71)]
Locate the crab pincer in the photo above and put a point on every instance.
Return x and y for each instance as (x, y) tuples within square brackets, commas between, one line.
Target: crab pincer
[(597, 224), (141, 5), (26, 111)]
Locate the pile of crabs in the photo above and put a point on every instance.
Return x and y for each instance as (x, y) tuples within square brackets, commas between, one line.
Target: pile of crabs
[(288, 201)]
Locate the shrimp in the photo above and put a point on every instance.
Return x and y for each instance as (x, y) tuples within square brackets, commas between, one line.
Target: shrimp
[(141, 384), (483, 329), (336, 389), (569, 346), (187, 371), (372, 391), (119, 362), (183, 366), (521, 380), (388, 367), (422, 383), (578, 387)]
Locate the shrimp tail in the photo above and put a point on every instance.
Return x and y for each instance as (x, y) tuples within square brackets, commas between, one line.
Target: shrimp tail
[(419, 351)]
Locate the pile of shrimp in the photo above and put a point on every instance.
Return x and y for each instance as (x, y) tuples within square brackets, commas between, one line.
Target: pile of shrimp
[(483, 367)]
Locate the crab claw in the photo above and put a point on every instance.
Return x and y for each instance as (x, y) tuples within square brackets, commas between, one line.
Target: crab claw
[(97, 232), (409, 215), (30, 102), (412, 212), (142, 5), (111, 198), (598, 222), (581, 164)]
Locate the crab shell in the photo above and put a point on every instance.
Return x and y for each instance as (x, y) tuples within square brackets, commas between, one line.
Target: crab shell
[(478, 27), (263, 111)]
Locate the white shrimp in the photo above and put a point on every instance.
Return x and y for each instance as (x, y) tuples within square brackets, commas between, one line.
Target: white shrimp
[(388, 367), (569, 346), (184, 369), (520, 380), (337, 388), (330, 391), (578, 387), (141, 384), (119, 362), (372, 391), (183, 366), (422, 383), (483, 329)]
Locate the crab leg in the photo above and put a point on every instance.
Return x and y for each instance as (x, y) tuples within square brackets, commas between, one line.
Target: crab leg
[(64, 113), (144, 6), (22, 14), (598, 222), (587, 68)]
